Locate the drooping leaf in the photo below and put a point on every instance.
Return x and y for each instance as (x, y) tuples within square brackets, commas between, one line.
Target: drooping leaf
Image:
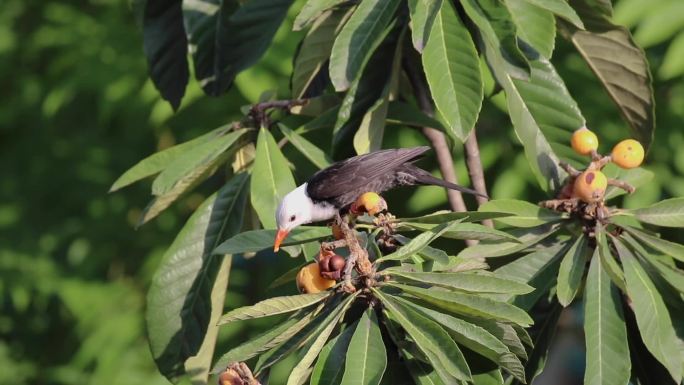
[(536, 26), (166, 48), (522, 214), (667, 213), (179, 299), (432, 340), (560, 8), (185, 164), (419, 242), (608, 262), (466, 281), (619, 64), (358, 39), (366, 358), (468, 304), (525, 238), (158, 161), (228, 41), (273, 306), (271, 179), (329, 367), (652, 316), (315, 49), (452, 69), (308, 149), (571, 270), (674, 250), (608, 361), (256, 240), (311, 10), (423, 14)]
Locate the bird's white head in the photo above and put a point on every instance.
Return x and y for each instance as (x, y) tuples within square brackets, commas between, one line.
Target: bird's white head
[(295, 209)]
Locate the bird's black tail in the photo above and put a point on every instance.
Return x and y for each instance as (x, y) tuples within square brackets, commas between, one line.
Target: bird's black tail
[(425, 178)]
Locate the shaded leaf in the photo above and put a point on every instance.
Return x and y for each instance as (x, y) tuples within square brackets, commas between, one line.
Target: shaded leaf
[(366, 358), (179, 298), (466, 281), (407, 114), (674, 250), (256, 240), (448, 216), (522, 214), (271, 179), (427, 252), (452, 69), (571, 271), (329, 367), (419, 242), (667, 213), (636, 177), (273, 306), (311, 10), (423, 14), (608, 262), (308, 149)]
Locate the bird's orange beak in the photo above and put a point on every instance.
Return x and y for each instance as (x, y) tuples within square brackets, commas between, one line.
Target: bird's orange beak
[(280, 237)]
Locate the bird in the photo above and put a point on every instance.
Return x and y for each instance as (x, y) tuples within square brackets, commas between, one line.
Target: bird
[(332, 190)]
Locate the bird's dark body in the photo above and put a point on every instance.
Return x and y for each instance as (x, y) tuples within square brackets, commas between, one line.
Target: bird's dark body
[(379, 171)]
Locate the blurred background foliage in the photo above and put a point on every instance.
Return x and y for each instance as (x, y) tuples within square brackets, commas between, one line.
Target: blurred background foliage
[(78, 109)]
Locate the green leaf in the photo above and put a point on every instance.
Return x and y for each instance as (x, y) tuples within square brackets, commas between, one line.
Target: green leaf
[(674, 250), (535, 25), (448, 216), (402, 113), (271, 179), (522, 214), (256, 240), (202, 154), (468, 231), (666, 213), (452, 69), (273, 306), (166, 48), (179, 298), (357, 40), (608, 263), (466, 281), (571, 271), (538, 269), (315, 49), (636, 177), (419, 242), (366, 357), (311, 10), (468, 304), (620, 66), (427, 252), (673, 63), (423, 14), (198, 366), (608, 361), (301, 371), (651, 314), (308, 149), (525, 238), (329, 367), (158, 161), (560, 8), (227, 41), (431, 339), (498, 30), (421, 372), (474, 338)]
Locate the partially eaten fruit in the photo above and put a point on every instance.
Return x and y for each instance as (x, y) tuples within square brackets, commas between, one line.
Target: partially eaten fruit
[(590, 186), (370, 203), (628, 154), (310, 281), (584, 141)]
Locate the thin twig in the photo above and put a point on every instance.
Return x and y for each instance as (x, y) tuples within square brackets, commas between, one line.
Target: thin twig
[(438, 142), (472, 150)]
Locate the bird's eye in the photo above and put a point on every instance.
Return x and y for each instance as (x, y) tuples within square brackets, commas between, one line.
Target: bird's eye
[(292, 218)]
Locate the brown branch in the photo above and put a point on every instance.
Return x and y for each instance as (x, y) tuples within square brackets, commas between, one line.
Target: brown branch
[(472, 150)]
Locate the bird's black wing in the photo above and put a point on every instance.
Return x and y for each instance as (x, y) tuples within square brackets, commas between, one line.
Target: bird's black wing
[(360, 171)]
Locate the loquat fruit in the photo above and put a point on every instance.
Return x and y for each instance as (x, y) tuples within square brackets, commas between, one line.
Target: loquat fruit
[(628, 154), (370, 203), (309, 280), (584, 141), (590, 186)]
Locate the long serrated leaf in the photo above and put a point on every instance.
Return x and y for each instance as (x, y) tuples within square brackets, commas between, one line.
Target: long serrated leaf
[(666, 213), (571, 270), (608, 361), (423, 14), (468, 231), (316, 48), (655, 325), (620, 65), (186, 164), (535, 25), (522, 214), (452, 70), (468, 304), (256, 240), (466, 281), (447, 216), (608, 262), (271, 179), (431, 339), (419, 242), (366, 357), (671, 249), (166, 48), (308, 149), (525, 238), (427, 252), (329, 367), (273, 306), (178, 301), (356, 42)]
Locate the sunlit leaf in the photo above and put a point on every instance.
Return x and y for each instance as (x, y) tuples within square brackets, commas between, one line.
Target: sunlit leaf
[(308, 149), (524, 238), (535, 25), (522, 214), (667, 213), (423, 14), (561, 8), (674, 250), (256, 240), (419, 242), (311, 10), (366, 358), (273, 306), (466, 281), (468, 231)]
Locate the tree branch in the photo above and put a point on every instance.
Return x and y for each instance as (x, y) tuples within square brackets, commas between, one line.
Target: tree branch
[(472, 150)]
